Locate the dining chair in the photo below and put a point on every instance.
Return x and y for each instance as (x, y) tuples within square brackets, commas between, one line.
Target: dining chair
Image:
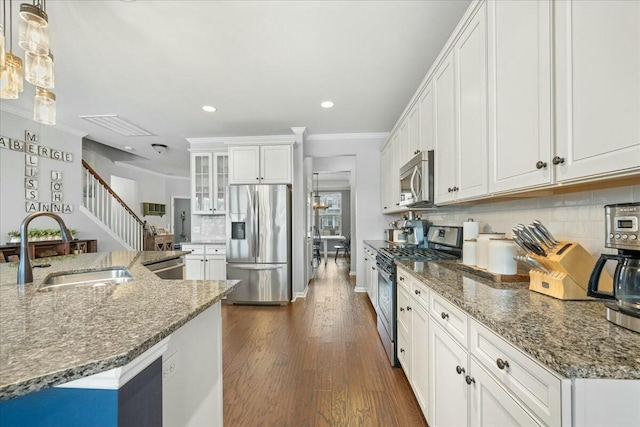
[(316, 245), (345, 246)]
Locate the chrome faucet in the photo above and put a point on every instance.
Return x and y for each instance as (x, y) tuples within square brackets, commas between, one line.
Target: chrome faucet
[(25, 274)]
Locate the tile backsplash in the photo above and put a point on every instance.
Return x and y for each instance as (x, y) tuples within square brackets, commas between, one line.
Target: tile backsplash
[(574, 216), (209, 227)]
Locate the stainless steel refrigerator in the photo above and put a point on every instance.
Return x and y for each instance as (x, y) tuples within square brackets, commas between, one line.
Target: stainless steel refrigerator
[(259, 243)]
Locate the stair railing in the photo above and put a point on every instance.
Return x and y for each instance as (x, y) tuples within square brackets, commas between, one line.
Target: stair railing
[(100, 199)]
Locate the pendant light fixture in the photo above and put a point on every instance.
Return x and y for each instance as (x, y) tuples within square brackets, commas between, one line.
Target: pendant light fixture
[(39, 70), (10, 84), (317, 203), (44, 107), (33, 32), (2, 49)]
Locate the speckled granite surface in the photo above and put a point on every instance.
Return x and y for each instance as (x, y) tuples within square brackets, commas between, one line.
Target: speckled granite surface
[(572, 338), (377, 244), (49, 338)]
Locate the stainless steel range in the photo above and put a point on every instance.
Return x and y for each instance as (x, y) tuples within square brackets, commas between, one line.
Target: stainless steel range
[(443, 243)]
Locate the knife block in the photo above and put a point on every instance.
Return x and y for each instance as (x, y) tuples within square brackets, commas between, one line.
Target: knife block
[(571, 266)]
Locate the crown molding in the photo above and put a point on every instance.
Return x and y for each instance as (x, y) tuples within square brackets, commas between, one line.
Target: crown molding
[(138, 168), (222, 141), (348, 136), (29, 116)]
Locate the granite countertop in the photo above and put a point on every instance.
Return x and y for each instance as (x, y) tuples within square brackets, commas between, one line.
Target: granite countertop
[(378, 244), (572, 338), (49, 338), (206, 242)]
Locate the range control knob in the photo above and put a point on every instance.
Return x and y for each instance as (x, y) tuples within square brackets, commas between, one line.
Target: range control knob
[(611, 235), (625, 237), (633, 237), (617, 235)]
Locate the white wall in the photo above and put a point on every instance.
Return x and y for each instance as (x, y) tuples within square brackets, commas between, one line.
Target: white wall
[(369, 222)]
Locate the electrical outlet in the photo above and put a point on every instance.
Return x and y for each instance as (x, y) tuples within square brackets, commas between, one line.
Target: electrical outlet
[(169, 366)]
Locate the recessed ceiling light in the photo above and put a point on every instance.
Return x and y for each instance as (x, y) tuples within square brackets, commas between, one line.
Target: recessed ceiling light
[(208, 108), (327, 104), (128, 148)]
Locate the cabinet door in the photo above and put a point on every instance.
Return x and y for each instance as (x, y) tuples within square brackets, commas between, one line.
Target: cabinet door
[(201, 183), (491, 405), (404, 149), (373, 284), (220, 182), (420, 355), (194, 267), (413, 126), (445, 155), (385, 176), (275, 164), (394, 176), (471, 74), (404, 311), (519, 94), (244, 165), (427, 119), (404, 353), (448, 402), (597, 87), (216, 267)]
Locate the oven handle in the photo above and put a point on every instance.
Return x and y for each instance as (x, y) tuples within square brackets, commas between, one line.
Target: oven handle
[(383, 273)]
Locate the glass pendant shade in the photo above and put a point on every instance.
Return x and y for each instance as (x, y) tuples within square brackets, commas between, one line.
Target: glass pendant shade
[(44, 107), (11, 77), (33, 31), (2, 50), (39, 70)]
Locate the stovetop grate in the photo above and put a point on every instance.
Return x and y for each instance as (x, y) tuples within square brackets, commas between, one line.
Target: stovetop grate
[(417, 254)]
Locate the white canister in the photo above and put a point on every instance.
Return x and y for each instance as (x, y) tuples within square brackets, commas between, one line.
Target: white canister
[(470, 229), (469, 252), (501, 252), (483, 248)]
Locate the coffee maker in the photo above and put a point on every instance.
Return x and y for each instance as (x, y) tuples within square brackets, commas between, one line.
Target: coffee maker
[(414, 229), (622, 233)]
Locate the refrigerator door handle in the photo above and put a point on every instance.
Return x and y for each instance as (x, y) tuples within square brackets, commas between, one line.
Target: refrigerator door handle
[(258, 223), (257, 267), (255, 225)]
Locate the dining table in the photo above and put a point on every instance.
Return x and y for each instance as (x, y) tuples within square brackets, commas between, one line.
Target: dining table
[(325, 241)]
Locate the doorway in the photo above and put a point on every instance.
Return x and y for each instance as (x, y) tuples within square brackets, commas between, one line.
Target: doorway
[(181, 219)]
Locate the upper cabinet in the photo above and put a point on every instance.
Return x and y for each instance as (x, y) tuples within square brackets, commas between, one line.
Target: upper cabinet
[(519, 94), (426, 119), (597, 88), (209, 176), (445, 153), (260, 164)]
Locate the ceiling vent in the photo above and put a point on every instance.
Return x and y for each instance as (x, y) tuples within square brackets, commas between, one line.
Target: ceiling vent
[(117, 124)]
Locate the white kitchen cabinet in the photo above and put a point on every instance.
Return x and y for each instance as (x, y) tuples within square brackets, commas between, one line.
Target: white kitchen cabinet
[(520, 135), (445, 145), (394, 177), (491, 405), (404, 311), (471, 107), (404, 154), (420, 356), (208, 183), (597, 88), (448, 390), (426, 119), (371, 275), (385, 177), (413, 126), (206, 262), (266, 164)]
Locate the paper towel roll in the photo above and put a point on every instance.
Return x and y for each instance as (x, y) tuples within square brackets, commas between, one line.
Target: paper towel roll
[(501, 252), (469, 252), (483, 248), (470, 229)]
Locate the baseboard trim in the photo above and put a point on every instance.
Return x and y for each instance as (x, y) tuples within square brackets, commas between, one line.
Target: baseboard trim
[(300, 294), (352, 273), (359, 289)]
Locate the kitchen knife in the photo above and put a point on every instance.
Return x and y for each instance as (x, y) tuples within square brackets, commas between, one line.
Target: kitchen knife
[(537, 265), (545, 232), (531, 240), (540, 238)]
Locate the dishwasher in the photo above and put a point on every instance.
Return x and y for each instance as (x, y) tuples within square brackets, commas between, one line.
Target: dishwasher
[(172, 269)]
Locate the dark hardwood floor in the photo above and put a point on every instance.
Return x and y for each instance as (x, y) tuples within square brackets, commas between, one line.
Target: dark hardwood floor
[(315, 362)]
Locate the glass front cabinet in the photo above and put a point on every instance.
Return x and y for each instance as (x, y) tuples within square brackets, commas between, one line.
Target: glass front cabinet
[(209, 180)]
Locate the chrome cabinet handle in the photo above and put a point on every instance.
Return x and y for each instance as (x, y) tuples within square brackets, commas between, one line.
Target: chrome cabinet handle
[(557, 160), (502, 363), (469, 380), (444, 315), (541, 164), (460, 370)]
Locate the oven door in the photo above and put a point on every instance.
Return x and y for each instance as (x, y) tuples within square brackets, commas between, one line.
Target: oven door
[(386, 314)]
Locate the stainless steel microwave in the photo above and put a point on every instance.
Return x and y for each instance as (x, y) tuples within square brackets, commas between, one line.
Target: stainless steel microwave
[(416, 181)]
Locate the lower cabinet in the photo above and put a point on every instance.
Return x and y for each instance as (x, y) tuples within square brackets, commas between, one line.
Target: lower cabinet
[(371, 275), (205, 263), (420, 356)]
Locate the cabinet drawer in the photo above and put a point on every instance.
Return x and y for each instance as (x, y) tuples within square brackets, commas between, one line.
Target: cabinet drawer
[(216, 250), (195, 249), (452, 319), (404, 280), (420, 292), (530, 382), (404, 355), (404, 311)]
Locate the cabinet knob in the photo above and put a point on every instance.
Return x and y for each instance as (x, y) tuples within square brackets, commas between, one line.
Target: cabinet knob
[(257, 179), (417, 292), (401, 308), (408, 308), (201, 260), (557, 160), (398, 204), (541, 164), (262, 177), (449, 190), (384, 207), (460, 370), (502, 363), (366, 259), (401, 279), (444, 315), (373, 268), (455, 188), (469, 380), (402, 350)]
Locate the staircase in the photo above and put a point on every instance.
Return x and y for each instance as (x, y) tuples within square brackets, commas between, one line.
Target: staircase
[(99, 199)]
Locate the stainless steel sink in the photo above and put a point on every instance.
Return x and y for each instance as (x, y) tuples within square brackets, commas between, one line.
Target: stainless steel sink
[(97, 278)]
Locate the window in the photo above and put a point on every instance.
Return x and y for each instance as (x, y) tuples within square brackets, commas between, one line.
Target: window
[(331, 218)]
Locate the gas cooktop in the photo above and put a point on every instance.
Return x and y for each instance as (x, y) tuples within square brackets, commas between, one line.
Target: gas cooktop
[(415, 253)]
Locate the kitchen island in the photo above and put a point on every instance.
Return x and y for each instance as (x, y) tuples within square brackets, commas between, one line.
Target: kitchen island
[(545, 361), (53, 338)]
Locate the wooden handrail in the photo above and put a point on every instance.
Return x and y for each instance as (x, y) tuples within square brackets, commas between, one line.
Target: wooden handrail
[(113, 193)]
